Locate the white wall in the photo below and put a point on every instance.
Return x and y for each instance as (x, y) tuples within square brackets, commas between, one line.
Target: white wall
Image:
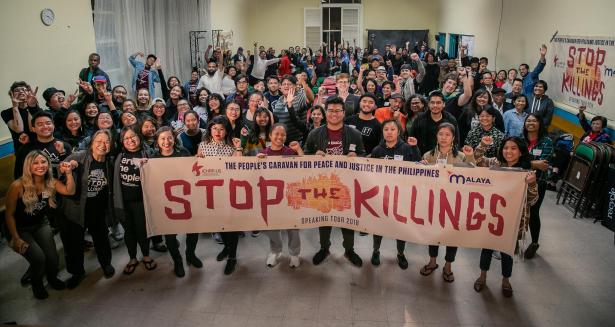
[(42, 55)]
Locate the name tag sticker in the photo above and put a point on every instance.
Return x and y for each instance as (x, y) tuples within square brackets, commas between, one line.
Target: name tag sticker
[(398, 157), (352, 147), (537, 152)]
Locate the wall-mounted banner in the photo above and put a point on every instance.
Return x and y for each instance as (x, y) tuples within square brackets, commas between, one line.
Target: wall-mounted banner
[(466, 207), (582, 72)]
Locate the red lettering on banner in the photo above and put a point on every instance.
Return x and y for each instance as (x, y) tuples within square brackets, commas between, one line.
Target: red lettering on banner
[(322, 194), (265, 201), (385, 200), (497, 229), (333, 193), (445, 208), (413, 217), (475, 220), (430, 214), (397, 216), (233, 185), (187, 213), (209, 190), (360, 199)]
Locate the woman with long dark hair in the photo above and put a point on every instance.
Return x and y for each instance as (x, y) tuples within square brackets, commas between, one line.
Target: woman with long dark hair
[(445, 152), (512, 154), (218, 142), (257, 138), (128, 197), (28, 201), (72, 130), (167, 147), (215, 105), (192, 135), (540, 148)]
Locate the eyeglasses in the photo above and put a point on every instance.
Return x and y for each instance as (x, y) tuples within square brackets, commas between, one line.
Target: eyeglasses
[(133, 138), (20, 89), (335, 111), (233, 109)]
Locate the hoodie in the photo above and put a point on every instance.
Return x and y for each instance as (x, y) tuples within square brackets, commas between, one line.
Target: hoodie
[(400, 152)]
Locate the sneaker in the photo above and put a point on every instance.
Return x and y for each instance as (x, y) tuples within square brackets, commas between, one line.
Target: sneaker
[(496, 255), (272, 259), (117, 232), (256, 233), (108, 271), (159, 247), (242, 234), (38, 289), (530, 252), (402, 261), (230, 266), (376, 258), (74, 281), (178, 268), (353, 257), (222, 255), (113, 243), (192, 260), (320, 256), (218, 238), (56, 283), (294, 261)]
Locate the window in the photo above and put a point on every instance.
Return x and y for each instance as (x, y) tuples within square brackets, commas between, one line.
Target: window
[(336, 21)]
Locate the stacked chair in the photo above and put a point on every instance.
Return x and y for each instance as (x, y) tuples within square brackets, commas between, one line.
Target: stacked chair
[(585, 181)]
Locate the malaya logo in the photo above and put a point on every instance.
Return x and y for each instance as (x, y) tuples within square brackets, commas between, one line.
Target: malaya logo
[(460, 179)]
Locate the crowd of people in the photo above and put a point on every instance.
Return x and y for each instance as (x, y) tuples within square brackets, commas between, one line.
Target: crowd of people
[(78, 160)]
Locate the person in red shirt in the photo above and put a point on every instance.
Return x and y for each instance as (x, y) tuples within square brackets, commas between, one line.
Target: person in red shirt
[(394, 111), (285, 67)]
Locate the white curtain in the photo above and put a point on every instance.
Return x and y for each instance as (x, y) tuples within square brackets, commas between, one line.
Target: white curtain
[(161, 27)]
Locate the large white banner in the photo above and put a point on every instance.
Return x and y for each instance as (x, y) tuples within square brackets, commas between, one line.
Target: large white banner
[(582, 72), (466, 207)]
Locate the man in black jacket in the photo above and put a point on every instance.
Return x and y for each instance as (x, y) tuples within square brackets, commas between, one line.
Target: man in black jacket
[(424, 127), (335, 138)]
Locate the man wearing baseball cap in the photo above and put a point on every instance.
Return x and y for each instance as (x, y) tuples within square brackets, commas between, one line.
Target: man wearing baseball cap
[(394, 110)]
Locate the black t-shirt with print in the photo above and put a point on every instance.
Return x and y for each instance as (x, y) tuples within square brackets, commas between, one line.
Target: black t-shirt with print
[(130, 177), (7, 115), (98, 185), (371, 130)]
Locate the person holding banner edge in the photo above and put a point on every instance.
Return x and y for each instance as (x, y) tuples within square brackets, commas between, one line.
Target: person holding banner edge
[(277, 135), (335, 138), (513, 153), (445, 150), (392, 147), (168, 147), (217, 143)]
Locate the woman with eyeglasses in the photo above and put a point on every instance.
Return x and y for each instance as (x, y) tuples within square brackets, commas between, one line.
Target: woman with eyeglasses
[(128, 197)]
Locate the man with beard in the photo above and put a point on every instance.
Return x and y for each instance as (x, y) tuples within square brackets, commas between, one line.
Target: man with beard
[(366, 123), (143, 76), (530, 78), (215, 73), (93, 69)]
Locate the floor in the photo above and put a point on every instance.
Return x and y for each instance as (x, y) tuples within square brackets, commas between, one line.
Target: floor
[(569, 283)]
